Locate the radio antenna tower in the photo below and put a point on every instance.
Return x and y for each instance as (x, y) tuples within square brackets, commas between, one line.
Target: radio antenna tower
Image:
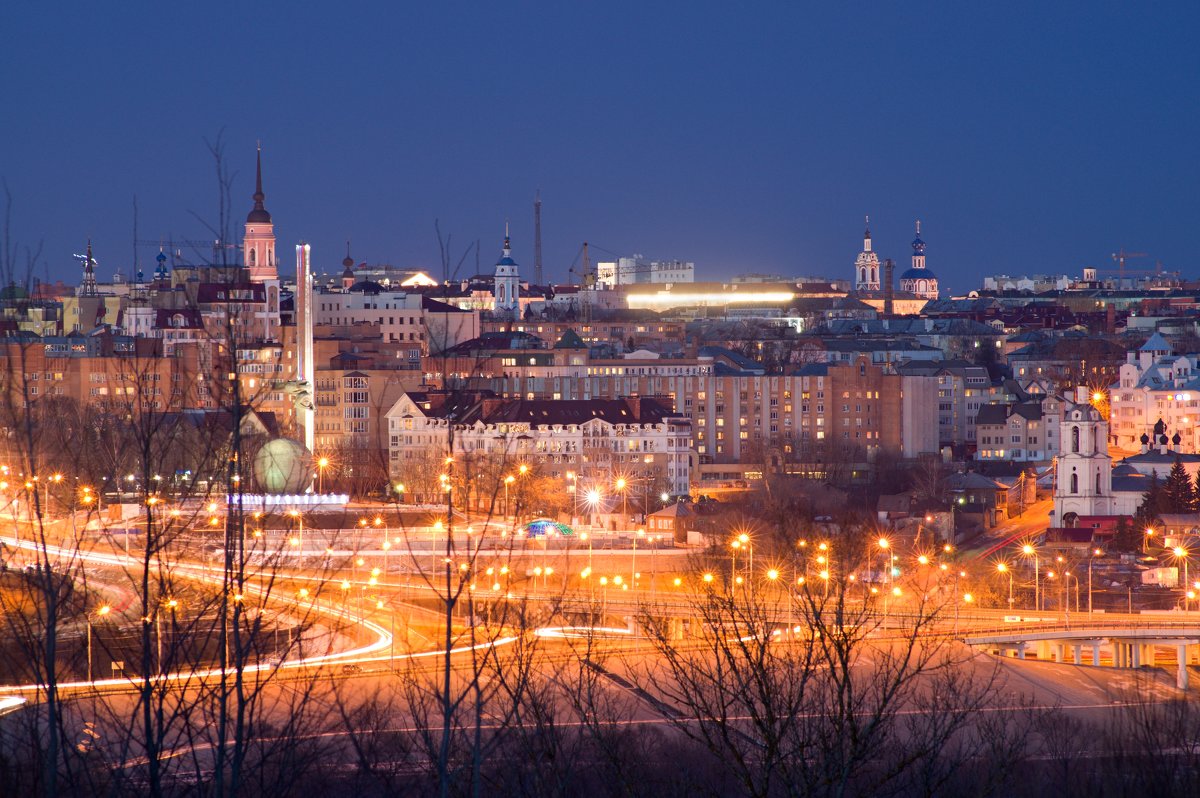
[(537, 238)]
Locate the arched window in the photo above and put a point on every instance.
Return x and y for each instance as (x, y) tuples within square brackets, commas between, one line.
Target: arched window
[(862, 275), (1075, 439), (1074, 482), (1099, 490), (253, 260)]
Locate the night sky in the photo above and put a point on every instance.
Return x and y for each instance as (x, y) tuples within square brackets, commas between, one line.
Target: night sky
[(746, 137)]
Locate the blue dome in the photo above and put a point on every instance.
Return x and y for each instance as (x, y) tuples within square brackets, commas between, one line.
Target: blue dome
[(506, 261), (918, 274), (918, 246)]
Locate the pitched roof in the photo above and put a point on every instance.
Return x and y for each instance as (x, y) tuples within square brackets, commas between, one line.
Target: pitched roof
[(992, 414), (541, 413), (570, 340), (1156, 343)]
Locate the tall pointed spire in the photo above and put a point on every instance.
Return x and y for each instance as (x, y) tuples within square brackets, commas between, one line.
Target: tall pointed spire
[(89, 273), (258, 192), (507, 241), (259, 214)]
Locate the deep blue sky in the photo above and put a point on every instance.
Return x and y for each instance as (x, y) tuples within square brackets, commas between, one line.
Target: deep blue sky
[(746, 137)]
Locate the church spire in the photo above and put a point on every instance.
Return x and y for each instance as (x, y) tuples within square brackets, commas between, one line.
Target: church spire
[(89, 273), (259, 215)]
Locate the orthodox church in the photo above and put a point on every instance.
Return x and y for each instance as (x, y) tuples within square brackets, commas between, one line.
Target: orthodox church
[(917, 279), (918, 284)]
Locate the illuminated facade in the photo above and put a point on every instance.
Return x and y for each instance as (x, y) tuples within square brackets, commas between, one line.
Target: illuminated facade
[(1152, 386)]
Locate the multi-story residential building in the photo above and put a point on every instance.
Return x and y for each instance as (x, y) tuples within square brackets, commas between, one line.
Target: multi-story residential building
[(962, 389), (108, 371), (1023, 431), (351, 406), (596, 441), (1069, 360), (642, 329), (513, 364), (736, 415)]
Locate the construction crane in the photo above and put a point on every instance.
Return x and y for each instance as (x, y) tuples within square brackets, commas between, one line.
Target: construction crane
[(1120, 258), (174, 248)]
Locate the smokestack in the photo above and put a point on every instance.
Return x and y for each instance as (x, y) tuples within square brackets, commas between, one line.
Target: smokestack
[(305, 367), (889, 289)]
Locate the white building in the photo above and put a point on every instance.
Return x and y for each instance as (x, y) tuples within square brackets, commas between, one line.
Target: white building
[(636, 271), (1154, 386), (598, 440)]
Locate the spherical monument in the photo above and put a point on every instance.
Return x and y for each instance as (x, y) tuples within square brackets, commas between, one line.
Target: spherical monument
[(283, 466)]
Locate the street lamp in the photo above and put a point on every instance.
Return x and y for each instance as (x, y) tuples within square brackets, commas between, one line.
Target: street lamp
[(1030, 551), (1095, 553), (100, 612), (620, 486), (299, 539), (322, 464), (593, 499), (884, 547), (1180, 553), (508, 480), (170, 604), (1004, 569), (633, 562), (1146, 539)]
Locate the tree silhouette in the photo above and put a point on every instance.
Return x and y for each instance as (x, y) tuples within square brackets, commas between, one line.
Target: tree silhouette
[(1180, 496)]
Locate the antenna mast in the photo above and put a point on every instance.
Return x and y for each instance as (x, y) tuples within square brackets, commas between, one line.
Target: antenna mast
[(537, 238)]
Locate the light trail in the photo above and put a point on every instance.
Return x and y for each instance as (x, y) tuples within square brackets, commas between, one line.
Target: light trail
[(202, 573)]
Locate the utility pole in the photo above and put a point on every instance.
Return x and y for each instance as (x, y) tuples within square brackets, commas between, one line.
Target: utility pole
[(537, 238)]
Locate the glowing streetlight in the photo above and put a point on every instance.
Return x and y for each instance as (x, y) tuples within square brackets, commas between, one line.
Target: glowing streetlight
[(100, 613), (1004, 569), (322, 464), (1029, 551), (1180, 553), (620, 486)]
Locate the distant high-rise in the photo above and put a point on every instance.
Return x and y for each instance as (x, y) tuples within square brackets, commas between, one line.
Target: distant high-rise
[(259, 242)]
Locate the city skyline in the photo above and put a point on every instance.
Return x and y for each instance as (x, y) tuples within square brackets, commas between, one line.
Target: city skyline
[(744, 144)]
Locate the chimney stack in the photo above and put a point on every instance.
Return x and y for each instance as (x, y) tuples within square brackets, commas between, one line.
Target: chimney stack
[(889, 289)]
